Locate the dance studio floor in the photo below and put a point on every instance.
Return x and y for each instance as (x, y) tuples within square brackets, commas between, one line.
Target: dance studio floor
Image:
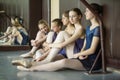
[(9, 72)]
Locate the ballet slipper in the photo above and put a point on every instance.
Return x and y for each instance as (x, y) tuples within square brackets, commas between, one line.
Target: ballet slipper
[(24, 63)]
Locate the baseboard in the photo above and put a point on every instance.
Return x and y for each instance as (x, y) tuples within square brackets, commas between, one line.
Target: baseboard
[(115, 63), (14, 48)]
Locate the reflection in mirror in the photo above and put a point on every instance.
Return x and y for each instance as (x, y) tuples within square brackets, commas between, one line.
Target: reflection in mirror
[(12, 31)]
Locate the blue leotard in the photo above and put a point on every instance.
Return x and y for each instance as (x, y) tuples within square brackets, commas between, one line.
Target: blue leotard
[(87, 63), (25, 37), (78, 45)]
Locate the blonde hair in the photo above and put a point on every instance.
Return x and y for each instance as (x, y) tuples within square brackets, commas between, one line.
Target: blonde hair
[(17, 21), (45, 23)]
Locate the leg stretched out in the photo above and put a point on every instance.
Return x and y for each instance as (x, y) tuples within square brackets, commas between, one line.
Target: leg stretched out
[(57, 65)]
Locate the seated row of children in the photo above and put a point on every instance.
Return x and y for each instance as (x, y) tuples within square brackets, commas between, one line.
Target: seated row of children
[(72, 48)]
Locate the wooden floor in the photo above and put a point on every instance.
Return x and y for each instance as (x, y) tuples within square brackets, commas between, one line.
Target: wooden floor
[(9, 72)]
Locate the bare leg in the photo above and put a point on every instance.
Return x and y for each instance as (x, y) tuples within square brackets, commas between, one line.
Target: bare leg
[(30, 53), (48, 40), (62, 36), (34, 48), (58, 57), (57, 65)]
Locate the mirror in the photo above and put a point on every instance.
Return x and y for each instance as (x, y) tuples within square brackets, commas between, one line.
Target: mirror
[(12, 31), (14, 23), (10, 9), (27, 10)]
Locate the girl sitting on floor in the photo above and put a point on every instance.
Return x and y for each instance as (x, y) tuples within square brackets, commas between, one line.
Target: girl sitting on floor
[(40, 38)]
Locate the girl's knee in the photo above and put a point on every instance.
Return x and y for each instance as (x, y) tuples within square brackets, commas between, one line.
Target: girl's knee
[(50, 37)]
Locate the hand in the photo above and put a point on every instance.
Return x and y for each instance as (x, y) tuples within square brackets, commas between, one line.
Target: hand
[(82, 57), (32, 41)]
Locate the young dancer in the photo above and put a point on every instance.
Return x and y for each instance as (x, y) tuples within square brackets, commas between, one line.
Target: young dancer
[(40, 38)]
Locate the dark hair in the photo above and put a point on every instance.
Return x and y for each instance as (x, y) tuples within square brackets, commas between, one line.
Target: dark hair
[(77, 10), (66, 14), (20, 20), (58, 21), (97, 8)]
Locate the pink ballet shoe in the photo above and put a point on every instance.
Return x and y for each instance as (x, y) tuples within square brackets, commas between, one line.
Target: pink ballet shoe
[(24, 63)]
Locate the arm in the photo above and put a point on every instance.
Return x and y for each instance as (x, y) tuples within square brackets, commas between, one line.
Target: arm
[(84, 45), (91, 50), (41, 37), (77, 34)]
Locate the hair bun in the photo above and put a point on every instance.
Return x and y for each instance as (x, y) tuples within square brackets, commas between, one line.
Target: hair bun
[(97, 8)]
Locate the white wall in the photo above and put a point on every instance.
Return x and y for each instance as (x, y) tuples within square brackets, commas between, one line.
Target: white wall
[(68, 4), (54, 9)]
